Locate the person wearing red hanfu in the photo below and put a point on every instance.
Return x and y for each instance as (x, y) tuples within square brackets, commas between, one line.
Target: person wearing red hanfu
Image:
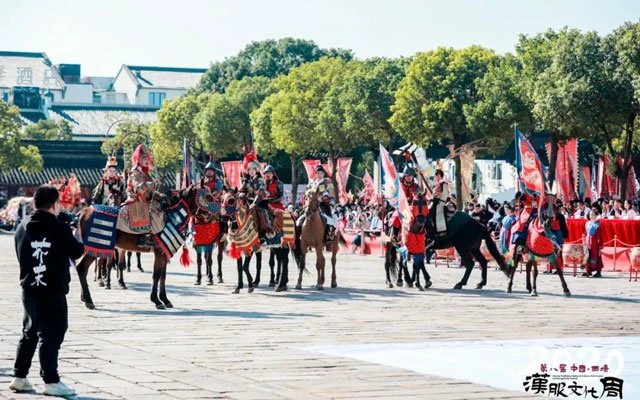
[(415, 239), (594, 245)]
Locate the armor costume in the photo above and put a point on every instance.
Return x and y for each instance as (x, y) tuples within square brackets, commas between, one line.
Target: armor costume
[(441, 195), (253, 187), (324, 186), (274, 190), (110, 190)]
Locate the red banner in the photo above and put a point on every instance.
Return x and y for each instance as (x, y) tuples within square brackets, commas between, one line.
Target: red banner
[(310, 167), (344, 167), (586, 172), (607, 184), (566, 169), (232, 170), (369, 190), (529, 166), (632, 188)]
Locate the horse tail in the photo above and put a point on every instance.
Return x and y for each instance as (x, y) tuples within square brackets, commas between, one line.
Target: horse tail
[(297, 248), (495, 253), (391, 259)]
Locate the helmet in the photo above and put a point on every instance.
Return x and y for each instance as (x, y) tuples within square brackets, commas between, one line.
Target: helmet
[(320, 168), (210, 166), (408, 171), (253, 164), (111, 162), (270, 168)]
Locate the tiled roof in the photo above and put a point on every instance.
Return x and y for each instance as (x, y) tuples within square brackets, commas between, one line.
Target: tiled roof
[(28, 69), (179, 78), (30, 117), (61, 158), (89, 120)]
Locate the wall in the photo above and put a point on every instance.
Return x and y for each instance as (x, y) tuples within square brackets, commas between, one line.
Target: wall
[(125, 84), (78, 93), (143, 94)]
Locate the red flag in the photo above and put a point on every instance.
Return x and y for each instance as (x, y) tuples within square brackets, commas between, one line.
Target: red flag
[(529, 167), (632, 188), (344, 167), (369, 190), (566, 169), (586, 172), (310, 167), (232, 170)]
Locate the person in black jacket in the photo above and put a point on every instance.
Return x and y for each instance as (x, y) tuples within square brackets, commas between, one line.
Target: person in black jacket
[(44, 246)]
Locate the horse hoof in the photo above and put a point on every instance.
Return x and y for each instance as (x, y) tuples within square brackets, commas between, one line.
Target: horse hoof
[(168, 304), (251, 289), (334, 285), (90, 305), (419, 287), (123, 286), (100, 283), (390, 285), (399, 284), (479, 286), (129, 270), (458, 286), (319, 287), (298, 286), (567, 293), (160, 306), (198, 283), (139, 269), (281, 289), (220, 280), (409, 284), (428, 284), (236, 291), (272, 284), (210, 283), (534, 294), (508, 290), (108, 286)]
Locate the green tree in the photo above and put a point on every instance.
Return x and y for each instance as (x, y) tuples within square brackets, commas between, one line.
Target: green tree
[(223, 126), (13, 154), (175, 124), (268, 58), (48, 129), (369, 94), (437, 94), (128, 136)]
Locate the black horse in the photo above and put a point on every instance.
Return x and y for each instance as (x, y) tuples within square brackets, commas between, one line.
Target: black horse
[(466, 234)]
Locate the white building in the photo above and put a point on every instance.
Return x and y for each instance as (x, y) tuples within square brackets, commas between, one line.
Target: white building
[(150, 86), (490, 178)]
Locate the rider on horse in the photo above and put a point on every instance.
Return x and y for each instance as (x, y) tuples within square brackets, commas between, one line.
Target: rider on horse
[(139, 214), (254, 189), (211, 180), (110, 190), (441, 195), (322, 184)]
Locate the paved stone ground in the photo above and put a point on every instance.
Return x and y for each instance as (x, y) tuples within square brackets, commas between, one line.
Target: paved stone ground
[(218, 345)]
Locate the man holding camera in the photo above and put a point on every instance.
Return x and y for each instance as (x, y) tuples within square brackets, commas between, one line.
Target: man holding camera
[(44, 245)]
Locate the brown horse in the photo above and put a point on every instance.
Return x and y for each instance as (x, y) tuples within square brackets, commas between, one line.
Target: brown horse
[(129, 242), (311, 235), (244, 240)]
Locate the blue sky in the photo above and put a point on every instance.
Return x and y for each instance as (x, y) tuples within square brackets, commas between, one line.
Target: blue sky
[(103, 34)]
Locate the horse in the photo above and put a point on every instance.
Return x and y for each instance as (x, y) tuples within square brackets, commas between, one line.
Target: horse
[(311, 235), (395, 266), (244, 241), (179, 204), (466, 235), (129, 254), (537, 243)]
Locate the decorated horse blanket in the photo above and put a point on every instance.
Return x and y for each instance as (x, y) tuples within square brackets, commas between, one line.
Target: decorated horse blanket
[(100, 235), (244, 239), (139, 217), (172, 235)]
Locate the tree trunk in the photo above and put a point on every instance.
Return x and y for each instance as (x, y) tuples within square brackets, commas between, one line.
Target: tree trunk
[(294, 178), (457, 141), (553, 158)]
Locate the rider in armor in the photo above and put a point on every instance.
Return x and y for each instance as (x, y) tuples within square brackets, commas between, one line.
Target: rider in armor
[(324, 186), (273, 188), (140, 192), (253, 186), (111, 189), (211, 181)]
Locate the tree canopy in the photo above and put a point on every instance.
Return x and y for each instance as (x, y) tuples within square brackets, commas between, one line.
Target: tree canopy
[(267, 58), (48, 129), (13, 154)]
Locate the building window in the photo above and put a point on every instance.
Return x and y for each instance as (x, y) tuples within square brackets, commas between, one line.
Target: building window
[(156, 98), (495, 171), (97, 99)]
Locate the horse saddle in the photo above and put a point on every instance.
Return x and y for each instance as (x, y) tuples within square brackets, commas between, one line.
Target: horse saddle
[(140, 217)]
